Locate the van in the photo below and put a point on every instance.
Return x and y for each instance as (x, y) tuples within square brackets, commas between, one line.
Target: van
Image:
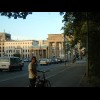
[(10, 63)]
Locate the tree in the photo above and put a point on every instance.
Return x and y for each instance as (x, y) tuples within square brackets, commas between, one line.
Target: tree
[(15, 14), (82, 29)]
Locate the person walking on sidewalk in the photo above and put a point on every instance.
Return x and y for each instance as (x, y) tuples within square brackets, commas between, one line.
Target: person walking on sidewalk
[(32, 69)]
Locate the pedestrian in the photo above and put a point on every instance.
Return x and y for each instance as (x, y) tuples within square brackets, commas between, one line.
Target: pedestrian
[(32, 69)]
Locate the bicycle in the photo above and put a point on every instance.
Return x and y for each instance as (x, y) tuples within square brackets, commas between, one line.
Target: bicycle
[(42, 82)]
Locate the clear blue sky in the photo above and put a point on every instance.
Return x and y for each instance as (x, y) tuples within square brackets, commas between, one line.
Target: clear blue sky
[(36, 26)]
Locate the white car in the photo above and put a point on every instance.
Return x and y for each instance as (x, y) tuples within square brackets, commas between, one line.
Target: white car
[(25, 60), (49, 61), (44, 61), (10, 63)]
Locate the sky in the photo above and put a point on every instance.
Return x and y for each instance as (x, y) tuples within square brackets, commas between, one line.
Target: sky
[(36, 26)]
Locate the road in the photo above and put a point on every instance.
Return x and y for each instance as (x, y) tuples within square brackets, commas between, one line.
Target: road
[(59, 75)]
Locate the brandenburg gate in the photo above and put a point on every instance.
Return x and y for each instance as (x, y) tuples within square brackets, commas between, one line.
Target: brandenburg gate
[(55, 45)]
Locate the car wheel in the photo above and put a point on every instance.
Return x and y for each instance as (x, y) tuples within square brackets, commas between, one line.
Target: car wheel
[(0, 70), (10, 69)]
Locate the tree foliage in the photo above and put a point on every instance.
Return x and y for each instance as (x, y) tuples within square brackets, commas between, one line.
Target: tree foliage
[(15, 14), (82, 29)]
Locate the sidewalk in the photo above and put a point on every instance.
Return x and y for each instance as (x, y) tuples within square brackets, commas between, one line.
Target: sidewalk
[(81, 61), (85, 82)]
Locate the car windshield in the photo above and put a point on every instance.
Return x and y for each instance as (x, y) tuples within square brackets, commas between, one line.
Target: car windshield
[(43, 59), (4, 59)]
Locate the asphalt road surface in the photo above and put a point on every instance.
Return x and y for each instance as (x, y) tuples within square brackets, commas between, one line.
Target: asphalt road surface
[(59, 75)]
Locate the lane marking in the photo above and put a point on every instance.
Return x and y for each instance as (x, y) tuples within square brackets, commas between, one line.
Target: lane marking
[(79, 84), (62, 71), (46, 77), (56, 73)]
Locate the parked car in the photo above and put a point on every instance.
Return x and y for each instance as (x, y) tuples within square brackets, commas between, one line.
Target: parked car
[(10, 63), (44, 61), (54, 61), (49, 61), (22, 62), (59, 60), (25, 60)]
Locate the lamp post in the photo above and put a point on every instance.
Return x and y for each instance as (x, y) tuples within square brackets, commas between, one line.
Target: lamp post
[(40, 53), (68, 49), (70, 53), (65, 49)]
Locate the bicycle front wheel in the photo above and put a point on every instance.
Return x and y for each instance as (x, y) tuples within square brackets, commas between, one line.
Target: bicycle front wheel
[(47, 83)]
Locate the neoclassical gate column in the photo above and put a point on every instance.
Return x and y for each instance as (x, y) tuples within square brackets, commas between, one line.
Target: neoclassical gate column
[(57, 49), (49, 49)]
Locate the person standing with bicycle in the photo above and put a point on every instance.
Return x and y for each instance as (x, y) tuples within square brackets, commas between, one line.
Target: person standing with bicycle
[(32, 69)]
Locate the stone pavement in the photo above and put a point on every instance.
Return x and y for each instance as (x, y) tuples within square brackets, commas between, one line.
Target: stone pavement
[(84, 81)]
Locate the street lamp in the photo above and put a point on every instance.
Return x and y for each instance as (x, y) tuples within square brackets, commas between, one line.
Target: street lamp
[(65, 48), (40, 51), (67, 51)]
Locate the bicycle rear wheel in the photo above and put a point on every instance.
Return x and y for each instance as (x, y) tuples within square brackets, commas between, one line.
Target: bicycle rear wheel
[(47, 83)]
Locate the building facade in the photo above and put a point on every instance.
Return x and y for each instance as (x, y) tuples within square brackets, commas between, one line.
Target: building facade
[(21, 47), (3, 37), (52, 47)]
